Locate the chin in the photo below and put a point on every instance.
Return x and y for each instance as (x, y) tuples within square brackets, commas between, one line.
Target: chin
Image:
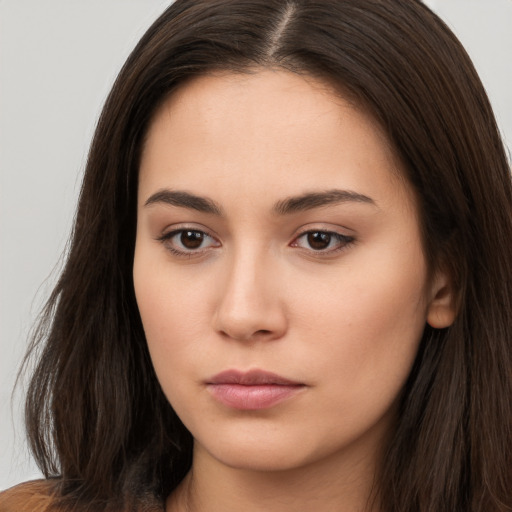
[(259, 451), (261, 459)]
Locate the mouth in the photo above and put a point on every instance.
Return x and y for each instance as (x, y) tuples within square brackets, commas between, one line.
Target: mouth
[(252, 390)]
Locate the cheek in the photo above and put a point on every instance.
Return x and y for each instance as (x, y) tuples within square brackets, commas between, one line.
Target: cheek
[(366, 323), (170, 306), (165, 309)]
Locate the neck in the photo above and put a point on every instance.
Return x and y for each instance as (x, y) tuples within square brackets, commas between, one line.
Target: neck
[(324, 486)]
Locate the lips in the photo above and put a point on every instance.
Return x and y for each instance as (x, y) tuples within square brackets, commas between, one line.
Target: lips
[(253, 390)]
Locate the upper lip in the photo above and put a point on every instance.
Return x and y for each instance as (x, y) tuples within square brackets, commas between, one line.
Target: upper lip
[(251, 378)]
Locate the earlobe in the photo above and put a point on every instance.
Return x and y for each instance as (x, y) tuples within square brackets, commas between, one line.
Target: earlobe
[(442, 306)]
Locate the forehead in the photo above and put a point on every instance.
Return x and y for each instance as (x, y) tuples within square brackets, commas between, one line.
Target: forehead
[(262, 132)]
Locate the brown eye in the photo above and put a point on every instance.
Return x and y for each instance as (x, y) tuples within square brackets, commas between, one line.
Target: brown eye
[(188, 242), (319, 240), (191, 239), (325, 242)]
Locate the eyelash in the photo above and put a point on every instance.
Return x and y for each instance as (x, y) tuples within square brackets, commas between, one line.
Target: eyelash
[(166, 239), (342, 242)]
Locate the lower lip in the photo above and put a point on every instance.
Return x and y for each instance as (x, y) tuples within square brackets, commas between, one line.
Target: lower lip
[(252, 398)]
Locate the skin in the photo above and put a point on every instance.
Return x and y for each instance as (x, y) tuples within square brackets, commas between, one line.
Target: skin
[(344, 320)]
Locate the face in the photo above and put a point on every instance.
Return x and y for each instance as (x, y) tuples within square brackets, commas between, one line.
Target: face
[(278, 270)]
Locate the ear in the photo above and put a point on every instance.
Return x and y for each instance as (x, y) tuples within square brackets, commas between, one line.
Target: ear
[(442, 308)]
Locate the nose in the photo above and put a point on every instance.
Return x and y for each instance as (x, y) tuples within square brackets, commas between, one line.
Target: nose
[(250, 305)]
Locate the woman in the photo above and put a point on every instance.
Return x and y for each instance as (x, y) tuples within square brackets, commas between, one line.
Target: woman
[(289, 283)]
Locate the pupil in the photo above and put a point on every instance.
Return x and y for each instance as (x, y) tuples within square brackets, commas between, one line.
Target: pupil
[(318, 240), (192, 239)]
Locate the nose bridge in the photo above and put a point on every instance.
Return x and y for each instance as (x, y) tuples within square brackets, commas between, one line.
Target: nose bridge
[(250, 304)]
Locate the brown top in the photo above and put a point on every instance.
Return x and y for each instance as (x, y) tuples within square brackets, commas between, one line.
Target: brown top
[(39, 496), (35, 496)]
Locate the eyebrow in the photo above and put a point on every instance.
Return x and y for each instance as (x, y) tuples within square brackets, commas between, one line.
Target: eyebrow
[(289, 205), (311, 200), (185, 200)]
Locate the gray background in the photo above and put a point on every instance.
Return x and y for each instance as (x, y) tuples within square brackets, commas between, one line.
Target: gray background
[(58, 59)]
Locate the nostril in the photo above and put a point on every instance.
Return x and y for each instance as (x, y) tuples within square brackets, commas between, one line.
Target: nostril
[(255, 335)]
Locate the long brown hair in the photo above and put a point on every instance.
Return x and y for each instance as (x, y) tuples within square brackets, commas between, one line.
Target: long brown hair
[(96, 416)]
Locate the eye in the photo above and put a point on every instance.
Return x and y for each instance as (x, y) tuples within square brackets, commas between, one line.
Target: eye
[(188, 241), (322, 241)]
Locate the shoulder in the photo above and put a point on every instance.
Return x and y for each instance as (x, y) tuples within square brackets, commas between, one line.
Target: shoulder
[(34, 496)]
